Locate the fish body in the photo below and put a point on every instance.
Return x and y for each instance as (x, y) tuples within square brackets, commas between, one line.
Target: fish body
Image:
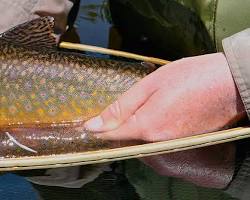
[(43, 87), (40, 88), (43, 90)]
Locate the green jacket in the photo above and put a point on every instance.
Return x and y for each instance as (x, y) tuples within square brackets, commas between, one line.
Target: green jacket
[(222, 18), (193, 27), (182, 27)]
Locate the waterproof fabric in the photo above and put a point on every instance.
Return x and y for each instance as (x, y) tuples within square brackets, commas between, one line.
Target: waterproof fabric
[(182, 27), (172, 27), (237, 51), (131, 180), (231, 17)]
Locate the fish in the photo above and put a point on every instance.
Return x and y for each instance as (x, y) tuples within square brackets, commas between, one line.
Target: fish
[(46, 93)]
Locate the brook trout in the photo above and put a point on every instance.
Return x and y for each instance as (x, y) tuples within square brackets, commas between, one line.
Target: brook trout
[(46, 94)]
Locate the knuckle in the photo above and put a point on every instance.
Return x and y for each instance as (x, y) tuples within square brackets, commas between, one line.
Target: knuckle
[(115, 110), (133, 122), (142, 127), (147, 136)]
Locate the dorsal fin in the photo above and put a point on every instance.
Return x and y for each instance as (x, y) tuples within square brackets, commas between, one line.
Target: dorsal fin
[(37, 33)]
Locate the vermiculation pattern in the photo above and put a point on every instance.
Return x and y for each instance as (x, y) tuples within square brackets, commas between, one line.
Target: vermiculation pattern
[(47, 88)]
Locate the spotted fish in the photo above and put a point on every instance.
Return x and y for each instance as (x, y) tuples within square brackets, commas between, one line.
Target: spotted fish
[(47, 94)]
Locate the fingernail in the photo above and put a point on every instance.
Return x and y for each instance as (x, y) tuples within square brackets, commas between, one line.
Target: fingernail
[(94, 124)]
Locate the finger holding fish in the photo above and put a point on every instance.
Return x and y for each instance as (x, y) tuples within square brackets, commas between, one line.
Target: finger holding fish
[(119, 111), (193, 96)]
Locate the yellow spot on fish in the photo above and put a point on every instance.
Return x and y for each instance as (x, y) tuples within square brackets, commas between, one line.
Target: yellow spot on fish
[(75, 106), (77, 66), (61, 74), (3, 114), (53, 91), (88, 103), (71, 89), (40, 111), (25, 62), (15, 61), (89, 70), (4, 66), (36, 103), (3, 99), (12, 109), (46, 70), (33, 96), (60, 85), (30, 69), (22, 97), (23, 73), (17, 86), (99, 70), (65, 114), (80, 77), (94, 93), (18, 67), (52, 110), (90, 83), (60, 66)]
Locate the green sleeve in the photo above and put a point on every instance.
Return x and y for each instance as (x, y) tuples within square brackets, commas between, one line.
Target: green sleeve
[(231, 17), (222, 18), (182, 28)]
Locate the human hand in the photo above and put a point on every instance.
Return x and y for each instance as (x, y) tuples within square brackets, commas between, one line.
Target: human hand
[(187, 97)]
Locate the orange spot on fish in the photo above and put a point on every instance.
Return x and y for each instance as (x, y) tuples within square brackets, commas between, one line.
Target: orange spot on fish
[(12, 109), (43, 81)]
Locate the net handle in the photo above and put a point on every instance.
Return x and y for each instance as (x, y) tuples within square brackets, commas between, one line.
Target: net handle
[(95, 49)]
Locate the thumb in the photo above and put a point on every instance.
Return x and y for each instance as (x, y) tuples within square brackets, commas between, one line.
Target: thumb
[(119, 111)]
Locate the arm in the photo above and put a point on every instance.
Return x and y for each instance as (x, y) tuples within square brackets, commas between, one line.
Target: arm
[(190, 96), (237, 50)]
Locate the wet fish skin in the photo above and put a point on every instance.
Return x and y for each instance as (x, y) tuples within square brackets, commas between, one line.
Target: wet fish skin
[(47, 141), (41, 88), (53, 141), (46, 95), (75, 86)]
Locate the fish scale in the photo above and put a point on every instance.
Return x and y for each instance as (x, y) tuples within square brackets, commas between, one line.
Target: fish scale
[(47, 82), (46, 94), (43, 90)]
